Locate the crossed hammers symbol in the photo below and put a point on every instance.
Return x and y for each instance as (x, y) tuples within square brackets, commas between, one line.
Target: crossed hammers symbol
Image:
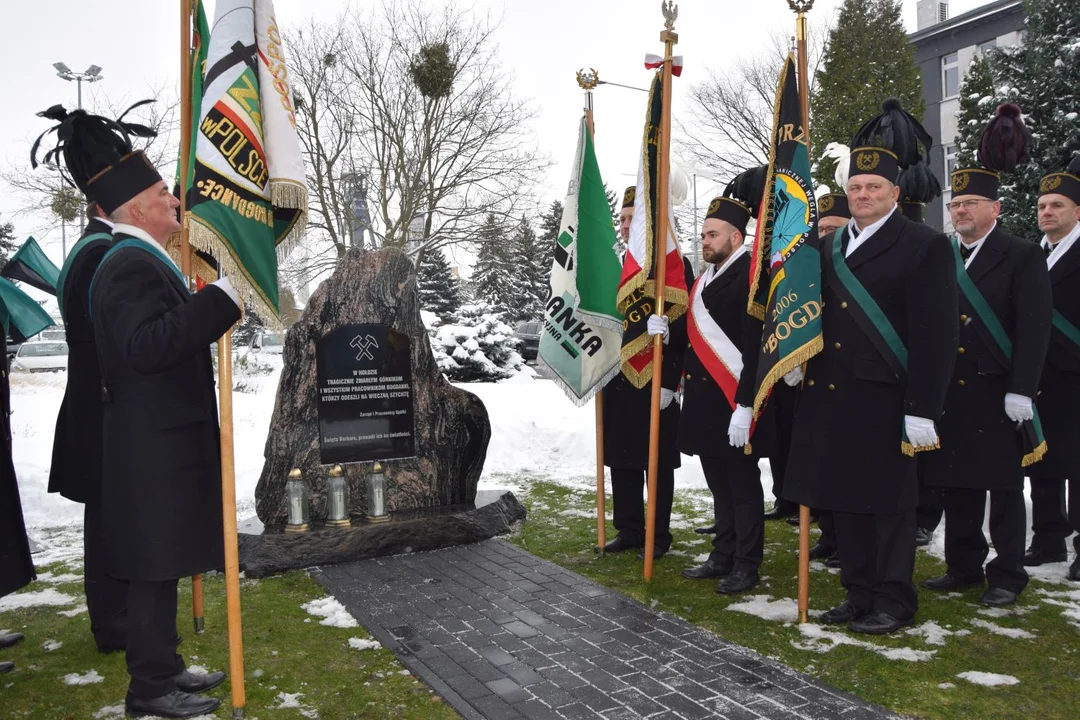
[(364, 345)]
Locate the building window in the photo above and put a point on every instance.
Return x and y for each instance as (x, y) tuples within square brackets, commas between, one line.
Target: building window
[(950, 75), (981, 48), (950, 163), (943, 11)]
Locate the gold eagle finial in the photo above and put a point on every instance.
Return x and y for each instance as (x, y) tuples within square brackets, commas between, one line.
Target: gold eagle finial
[(671, 13)]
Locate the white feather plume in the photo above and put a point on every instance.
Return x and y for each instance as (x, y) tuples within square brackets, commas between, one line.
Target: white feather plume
[(679, 184), (842, 154)]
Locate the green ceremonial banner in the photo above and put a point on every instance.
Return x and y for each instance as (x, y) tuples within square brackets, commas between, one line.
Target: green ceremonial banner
[(582, 334), (30, 265), (785, 271), (247, 199), (21, 315)]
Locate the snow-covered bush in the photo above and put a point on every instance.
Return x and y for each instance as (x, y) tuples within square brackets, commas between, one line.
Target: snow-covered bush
[(478, 346)]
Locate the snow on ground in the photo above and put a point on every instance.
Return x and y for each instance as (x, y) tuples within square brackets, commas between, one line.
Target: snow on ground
[(361, 644), (292, 701), (1069, 600), (334, 612), (1014, 633), (37, 598), (50, 645), (51, 579), (934, 634), (988, 679), (110, 712), (784, 610), (88, 679), (821, 639), (73, 611)]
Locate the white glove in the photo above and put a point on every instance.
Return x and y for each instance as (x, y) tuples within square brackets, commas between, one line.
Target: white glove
[(666, 396), (794, 376), (658, 325), (226, 285), (738, 431), (920, 432), (1018, 407)]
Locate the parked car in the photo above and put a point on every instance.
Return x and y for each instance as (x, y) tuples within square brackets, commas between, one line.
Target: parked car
[(268, 342), (41, 356), (12, 348), (529, 335)]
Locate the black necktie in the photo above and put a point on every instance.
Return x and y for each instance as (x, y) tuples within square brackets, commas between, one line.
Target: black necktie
[(1049, 249), (965, 251)]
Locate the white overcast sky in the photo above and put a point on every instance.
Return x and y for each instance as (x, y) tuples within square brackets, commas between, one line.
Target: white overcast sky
[(541, 43)]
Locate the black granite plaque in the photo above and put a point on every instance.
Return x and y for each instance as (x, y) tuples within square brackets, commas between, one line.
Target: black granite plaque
[(365, 394)]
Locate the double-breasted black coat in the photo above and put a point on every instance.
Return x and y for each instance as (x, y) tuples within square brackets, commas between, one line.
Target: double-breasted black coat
[(846, 446), (1059, 398), (981, 448), (706, 412), (627, 408), (162, 478), (16, 567), (75, 472)]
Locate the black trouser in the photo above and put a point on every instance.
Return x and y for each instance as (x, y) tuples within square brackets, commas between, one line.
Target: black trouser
[(1052, 519), (739, 508), (877, 561), (928, 514), (106, 597), (152, 661), (828, 529), (783, 399), (627, 487), (965, 545)]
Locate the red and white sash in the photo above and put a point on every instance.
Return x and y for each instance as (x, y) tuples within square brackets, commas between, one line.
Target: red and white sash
[(711, 344)]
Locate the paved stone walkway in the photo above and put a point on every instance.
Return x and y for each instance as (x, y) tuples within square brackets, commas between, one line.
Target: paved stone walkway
[(500, 634)]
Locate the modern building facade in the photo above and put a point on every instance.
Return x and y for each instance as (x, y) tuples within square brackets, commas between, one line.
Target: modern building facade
[(944, 48)]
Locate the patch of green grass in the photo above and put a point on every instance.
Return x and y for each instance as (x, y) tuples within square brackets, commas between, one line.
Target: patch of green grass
[(1048, 666), (285, 651)]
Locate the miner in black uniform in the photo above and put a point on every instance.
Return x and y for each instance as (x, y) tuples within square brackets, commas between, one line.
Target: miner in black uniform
[(718, 390), (987, 432), (161, 483), (918, 186), (75, 472), (872, 396), (1059, 396), (626, 434)]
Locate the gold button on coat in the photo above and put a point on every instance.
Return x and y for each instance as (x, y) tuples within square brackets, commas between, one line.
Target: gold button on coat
[(960, 350), (843, 304), (836, 345), (810, 382), (831, 386), (959, 382), (963, 318)]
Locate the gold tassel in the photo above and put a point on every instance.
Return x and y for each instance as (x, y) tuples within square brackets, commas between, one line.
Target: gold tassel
[(207, 240), (1034, 456), (907, 448), (789, 363)]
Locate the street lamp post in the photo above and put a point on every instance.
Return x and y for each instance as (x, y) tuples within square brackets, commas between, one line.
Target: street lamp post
[(92, 74)]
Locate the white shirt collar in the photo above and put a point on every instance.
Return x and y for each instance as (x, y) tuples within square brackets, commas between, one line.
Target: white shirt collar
[(975, 245), (865, 233), (716, 271), (105, 221), (1062, 246), (119, 228)]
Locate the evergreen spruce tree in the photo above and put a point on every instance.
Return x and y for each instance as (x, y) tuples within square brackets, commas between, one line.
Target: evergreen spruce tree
[(977, 106), (440, 291), (867, 60), (7, 243), (493, 275), (533, 277), (550, 222)]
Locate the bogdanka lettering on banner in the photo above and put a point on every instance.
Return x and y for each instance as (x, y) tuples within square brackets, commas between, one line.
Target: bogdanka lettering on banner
[(563, 324)]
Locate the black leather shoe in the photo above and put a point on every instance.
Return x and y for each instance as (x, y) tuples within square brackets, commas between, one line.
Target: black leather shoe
[(191, 683), (176, 704), (10, 639), (923, 537), (738, 582), (1074, 570), (794, 520), (1037, 556), (711, 530), (833, 561), (619, 545), (998, 597), (878, 623), (778, 513), (950, 582), (657, 553), (6, 667), (821, 551), (708, 569), (842, 613)]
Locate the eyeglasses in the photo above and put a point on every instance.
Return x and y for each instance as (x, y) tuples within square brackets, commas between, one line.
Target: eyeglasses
[(966, 204)]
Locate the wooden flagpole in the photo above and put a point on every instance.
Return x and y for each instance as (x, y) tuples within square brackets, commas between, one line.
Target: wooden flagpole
[(228, 511), (800, 8), (186, 7), (669, 38), (587, 81)]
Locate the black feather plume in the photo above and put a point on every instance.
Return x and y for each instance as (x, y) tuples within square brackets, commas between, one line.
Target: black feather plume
[(896, 130), (747, 187), (1074, 165), (88, 143), (1004, 142), (918, 184)]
